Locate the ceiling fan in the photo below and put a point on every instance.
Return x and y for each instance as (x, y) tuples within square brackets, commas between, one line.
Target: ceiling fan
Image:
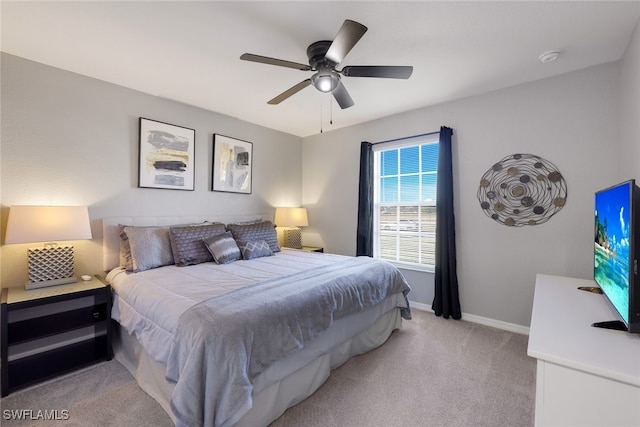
[(324, 57)]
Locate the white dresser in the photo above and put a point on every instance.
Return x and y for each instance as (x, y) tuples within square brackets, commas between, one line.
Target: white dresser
[(586, 376)]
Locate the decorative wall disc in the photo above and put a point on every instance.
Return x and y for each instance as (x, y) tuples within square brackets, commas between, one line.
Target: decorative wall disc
[(522, 189)]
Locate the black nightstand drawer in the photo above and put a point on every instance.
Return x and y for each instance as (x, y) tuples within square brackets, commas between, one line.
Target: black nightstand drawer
[(55, 323), (42, 366)]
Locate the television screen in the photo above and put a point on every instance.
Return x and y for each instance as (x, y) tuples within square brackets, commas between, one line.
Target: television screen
[(614, 246)]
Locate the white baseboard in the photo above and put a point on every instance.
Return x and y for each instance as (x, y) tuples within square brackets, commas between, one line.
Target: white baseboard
[(420, 306), (499, 324)]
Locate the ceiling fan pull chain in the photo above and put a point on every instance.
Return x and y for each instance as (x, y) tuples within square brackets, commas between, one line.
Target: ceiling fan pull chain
[(320, 118), (330, 111)]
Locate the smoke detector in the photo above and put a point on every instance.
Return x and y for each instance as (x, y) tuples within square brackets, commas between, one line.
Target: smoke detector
[(549, 56)]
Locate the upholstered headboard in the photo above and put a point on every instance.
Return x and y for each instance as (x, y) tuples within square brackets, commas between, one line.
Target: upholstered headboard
[(111, 237)]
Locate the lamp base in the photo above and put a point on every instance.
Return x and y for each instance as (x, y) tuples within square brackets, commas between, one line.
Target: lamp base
[(47, 283), (50, 266), (292, 237)]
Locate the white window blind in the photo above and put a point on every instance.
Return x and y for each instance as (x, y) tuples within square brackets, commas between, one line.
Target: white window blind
[(404, 220)]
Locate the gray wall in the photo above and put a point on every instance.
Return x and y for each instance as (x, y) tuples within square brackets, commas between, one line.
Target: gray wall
[(69, 139), (630, 109), (570, 120)]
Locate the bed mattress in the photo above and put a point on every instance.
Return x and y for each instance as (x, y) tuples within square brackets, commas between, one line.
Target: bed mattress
[(148, 304)]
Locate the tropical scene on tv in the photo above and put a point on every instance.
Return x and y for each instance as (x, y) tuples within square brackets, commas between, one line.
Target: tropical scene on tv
[(611, 261)]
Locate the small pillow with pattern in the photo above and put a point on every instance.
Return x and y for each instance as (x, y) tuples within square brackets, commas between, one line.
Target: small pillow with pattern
[(254, 249), (223, 248)]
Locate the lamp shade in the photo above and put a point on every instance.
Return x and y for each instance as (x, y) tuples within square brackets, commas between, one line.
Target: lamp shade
[(29, 224), (291, 217)]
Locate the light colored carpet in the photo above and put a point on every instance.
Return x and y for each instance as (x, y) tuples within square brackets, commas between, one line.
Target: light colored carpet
[(101, 395), (432, 372)]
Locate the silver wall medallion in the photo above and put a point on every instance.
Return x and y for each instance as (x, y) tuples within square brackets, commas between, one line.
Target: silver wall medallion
[(522, 189)]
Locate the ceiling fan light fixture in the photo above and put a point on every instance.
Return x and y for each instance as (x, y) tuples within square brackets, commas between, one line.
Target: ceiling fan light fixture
[(324, 84), (325, 81)]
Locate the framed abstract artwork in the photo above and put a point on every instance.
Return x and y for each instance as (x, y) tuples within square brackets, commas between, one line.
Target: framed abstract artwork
[(232, 165), (166, 156)]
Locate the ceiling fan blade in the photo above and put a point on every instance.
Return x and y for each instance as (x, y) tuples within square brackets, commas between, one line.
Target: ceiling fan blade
[(291, 91), (274, 61), (345, 40), (342, 96), (384, 71)]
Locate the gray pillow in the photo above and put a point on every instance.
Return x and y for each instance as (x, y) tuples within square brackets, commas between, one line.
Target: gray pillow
[(223, 248), (254, 249), (186, 242), (257, 231), (125, 249), (150, 247)]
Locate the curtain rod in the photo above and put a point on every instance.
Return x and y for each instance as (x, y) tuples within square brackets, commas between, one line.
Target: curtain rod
[(406, 137)]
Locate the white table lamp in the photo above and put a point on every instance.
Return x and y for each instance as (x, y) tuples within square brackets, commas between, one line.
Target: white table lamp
[(52, 264), (292, 219)]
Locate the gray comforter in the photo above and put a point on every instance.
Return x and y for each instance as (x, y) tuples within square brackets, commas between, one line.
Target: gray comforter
[(222, 344)]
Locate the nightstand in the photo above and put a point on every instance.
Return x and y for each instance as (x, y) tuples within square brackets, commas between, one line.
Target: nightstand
[(48, 331), (312, 249)]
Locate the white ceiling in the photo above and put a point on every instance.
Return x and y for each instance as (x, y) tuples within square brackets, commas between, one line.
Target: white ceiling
[(189, 51)]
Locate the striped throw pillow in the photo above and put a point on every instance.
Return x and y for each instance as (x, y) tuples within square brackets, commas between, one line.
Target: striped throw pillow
[(223, 248)]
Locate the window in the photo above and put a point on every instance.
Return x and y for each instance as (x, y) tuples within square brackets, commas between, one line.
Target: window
[(404, 191)]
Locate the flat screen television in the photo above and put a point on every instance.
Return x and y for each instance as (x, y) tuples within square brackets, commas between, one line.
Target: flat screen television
[(616, 250)]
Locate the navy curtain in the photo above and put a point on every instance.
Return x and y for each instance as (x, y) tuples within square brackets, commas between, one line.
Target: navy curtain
[(446, 301), (364, 244)]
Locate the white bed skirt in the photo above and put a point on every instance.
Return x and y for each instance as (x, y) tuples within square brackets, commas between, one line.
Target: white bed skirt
[(351, 334)]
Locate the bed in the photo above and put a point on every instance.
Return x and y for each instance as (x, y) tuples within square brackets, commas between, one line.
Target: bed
[(238, 342)]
